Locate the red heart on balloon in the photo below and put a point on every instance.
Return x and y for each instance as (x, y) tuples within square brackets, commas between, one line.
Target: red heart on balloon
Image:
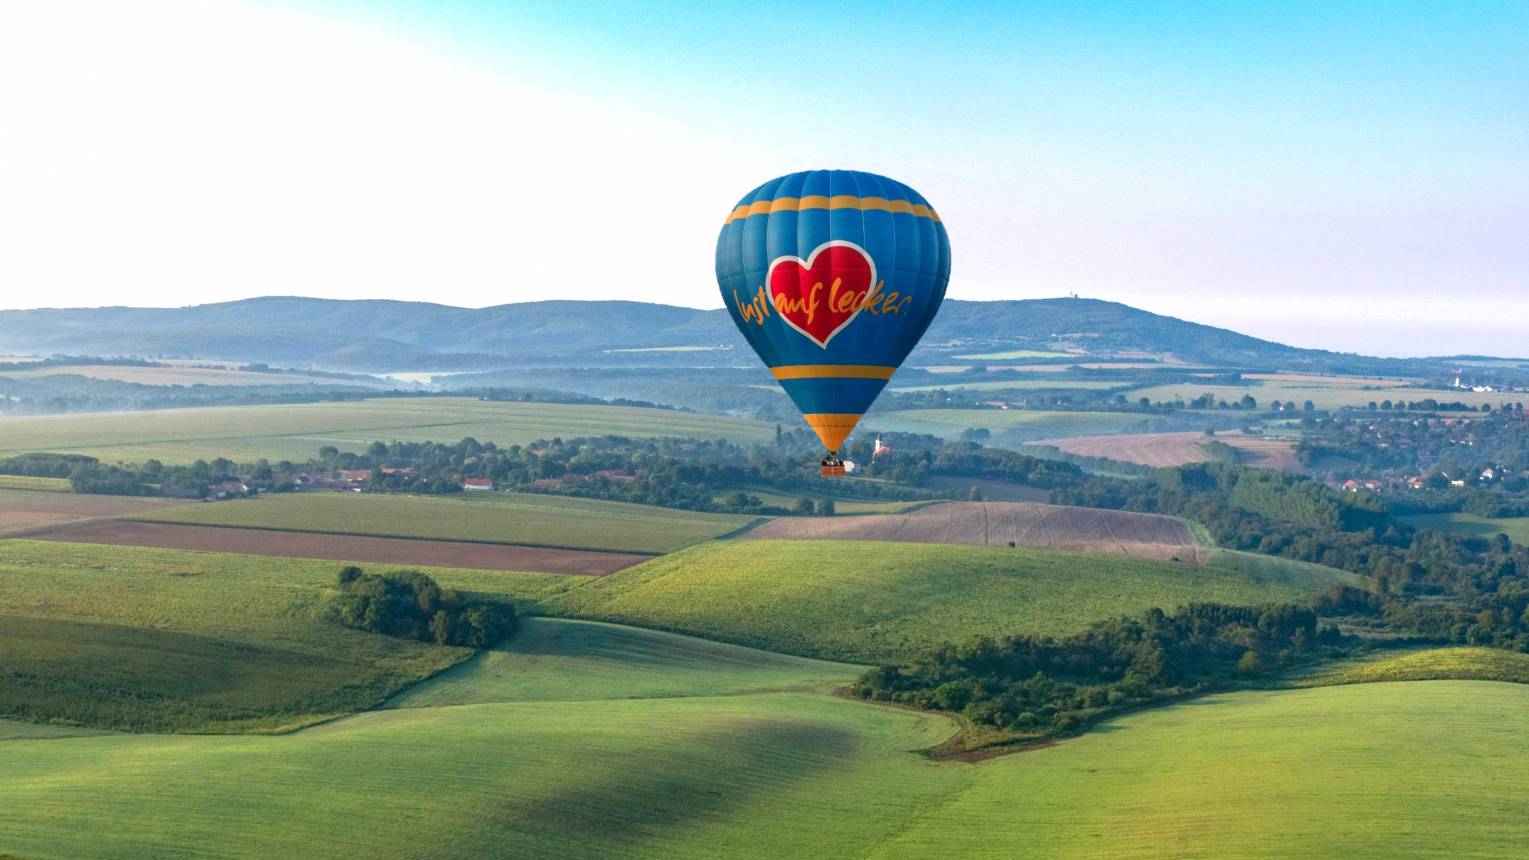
[(821, 295)]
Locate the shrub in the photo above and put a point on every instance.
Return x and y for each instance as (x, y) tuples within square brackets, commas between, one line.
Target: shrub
[(410, 605)]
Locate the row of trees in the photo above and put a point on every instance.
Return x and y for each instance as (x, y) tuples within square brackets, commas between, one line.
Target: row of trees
[(1041, 685), (1443, 586)]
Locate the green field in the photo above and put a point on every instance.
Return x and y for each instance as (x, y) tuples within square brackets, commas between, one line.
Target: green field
[(1427, 664), (1021, 385), (184, 374), (150, 639), (1516, 528), (557, 660), (1036, 424), (26, 482), (296, 432), (1323, 395), (515, 518), (1435, 769), (865, 601), (608, 766)]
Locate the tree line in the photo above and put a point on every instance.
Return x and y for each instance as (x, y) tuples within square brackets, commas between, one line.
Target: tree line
[(1045, 686)]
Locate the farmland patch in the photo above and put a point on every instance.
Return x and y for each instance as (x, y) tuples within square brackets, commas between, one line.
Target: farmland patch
[(26, 510), (869, 601), (336, 547), (1177, 449), (554, 659), (297, 431), (1000, 523)]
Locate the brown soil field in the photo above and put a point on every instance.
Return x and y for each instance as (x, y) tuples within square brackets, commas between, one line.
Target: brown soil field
[(1176, 449), (992, 491), (24, 510), (997, 523), (427, 553)]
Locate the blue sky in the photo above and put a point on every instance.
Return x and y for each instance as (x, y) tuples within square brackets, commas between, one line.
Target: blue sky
[(1346, 175)]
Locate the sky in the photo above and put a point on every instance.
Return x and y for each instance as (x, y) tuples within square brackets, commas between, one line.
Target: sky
[(1351, 176)]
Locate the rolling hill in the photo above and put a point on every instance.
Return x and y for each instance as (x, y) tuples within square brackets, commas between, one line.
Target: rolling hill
[(382, 336)]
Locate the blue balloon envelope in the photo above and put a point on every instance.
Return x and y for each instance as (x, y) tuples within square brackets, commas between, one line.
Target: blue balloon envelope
[(833, 276)]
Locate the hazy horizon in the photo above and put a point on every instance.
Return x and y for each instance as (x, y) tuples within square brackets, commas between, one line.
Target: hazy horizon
[(1353, 178)]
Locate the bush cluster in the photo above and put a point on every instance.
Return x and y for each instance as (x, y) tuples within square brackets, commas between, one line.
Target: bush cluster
[(1042, 685), (410, 605)]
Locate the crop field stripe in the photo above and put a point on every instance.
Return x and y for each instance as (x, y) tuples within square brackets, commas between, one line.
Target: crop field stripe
[(344, 548), (386, 536), (1027, 524), (523, 519)]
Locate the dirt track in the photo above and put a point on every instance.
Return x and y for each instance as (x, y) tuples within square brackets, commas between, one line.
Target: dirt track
[(997, 523), (1176, 449), (376, 550)]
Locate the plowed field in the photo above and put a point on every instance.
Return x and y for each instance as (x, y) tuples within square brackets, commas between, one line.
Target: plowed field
[(997, 523), (24, 510), (1176, 449)]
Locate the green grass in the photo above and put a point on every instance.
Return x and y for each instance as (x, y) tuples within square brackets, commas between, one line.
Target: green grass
[(296, 432), (27, 482), (183, 374), (1273, 569), (1516, 528), (1021, 385), (1332, 395), (1427, 664), (147, 639), (865, 601), (515, 518), (1436, 769), (773, 775), (574, 661), (1035, 423), (1365, 771)]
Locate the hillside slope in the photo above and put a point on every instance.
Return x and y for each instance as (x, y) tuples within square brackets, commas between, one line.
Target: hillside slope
[(377, 335)]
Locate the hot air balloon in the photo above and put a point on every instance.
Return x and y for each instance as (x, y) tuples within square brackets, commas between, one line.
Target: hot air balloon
[(833, 276)]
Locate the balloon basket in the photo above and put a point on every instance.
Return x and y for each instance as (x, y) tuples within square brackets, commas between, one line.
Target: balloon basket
[(832, 467)]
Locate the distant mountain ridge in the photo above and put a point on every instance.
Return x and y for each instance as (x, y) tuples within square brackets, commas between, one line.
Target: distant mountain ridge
[(385, 335)]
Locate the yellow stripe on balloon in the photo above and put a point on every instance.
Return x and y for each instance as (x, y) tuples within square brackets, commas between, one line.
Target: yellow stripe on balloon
[(838, 201), (833, 371), (832, 428)]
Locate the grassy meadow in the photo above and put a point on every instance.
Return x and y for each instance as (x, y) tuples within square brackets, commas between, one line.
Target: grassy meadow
[(1329, 393), (297, 431), (865, 601), (559, 660), (1020, 385), (1516, 528), (27, 482), (513, 518), (1427, 769), (1425, 664), (1033, 423), (607, 765), (148, 639)]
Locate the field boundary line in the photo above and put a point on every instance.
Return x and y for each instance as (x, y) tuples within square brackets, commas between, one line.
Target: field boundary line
[(739, 531), (138, 519)]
